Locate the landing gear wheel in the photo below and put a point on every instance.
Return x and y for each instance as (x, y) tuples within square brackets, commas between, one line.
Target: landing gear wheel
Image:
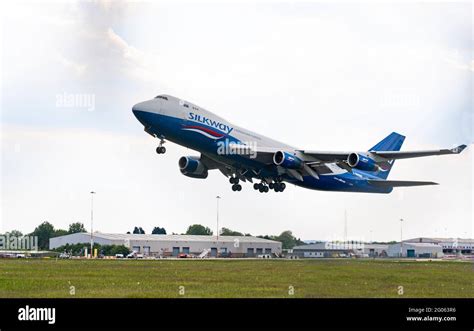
[(279, 187), (256, 186), (271, 186), (160, 149), (261, 187), (233, 180), (236, 187)]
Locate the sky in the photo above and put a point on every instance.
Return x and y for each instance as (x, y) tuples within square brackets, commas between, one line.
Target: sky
[(315, 75)]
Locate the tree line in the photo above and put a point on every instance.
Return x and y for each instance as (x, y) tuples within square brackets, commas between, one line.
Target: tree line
[(46, 230), (104, 250)]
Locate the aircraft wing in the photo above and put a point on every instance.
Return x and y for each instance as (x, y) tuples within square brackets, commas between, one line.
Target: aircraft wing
[(314, 159), (393, 155), (398, 183), (389, 155), (209, 163), (327, 156), (261, 154)]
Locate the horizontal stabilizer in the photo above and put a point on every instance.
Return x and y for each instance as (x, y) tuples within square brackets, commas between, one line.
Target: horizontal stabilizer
[(398, 183)]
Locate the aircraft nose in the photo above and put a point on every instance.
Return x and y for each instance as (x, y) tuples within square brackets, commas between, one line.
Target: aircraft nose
[(140, 110), (146, 112), (150, 106), (141, 106)]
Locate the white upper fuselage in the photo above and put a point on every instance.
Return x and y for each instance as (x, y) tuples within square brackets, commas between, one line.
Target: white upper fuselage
[(187, 111)]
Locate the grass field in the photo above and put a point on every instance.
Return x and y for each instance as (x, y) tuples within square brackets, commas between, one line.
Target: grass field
[(20, 278)]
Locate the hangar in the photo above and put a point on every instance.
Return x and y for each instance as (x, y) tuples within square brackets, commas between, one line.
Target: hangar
[(317, 250), (455, 246), (173, 245), (415, 249), (328, 249)]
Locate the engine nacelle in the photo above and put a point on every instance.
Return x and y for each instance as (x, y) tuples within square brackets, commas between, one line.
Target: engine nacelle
[(362, 162), (191, 166), (287, 160)]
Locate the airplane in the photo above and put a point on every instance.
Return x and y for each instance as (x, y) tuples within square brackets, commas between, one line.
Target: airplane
[(245, 156)]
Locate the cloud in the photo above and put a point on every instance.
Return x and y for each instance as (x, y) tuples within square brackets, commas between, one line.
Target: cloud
[(77, 68), (460, 65), (138, 64)]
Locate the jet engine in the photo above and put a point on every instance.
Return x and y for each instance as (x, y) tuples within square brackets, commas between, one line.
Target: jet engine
[(362, 162), (191, 166), (287, 160)]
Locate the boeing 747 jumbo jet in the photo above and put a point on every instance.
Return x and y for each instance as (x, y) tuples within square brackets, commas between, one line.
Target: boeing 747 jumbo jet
[(242, 155)]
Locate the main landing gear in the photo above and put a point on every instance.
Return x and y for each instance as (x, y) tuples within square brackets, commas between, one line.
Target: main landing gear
[(263, 188), (161, 149), (277, 187), (235, 184)]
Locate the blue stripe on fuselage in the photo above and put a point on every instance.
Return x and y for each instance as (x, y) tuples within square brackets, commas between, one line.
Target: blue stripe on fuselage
[(345, 182)]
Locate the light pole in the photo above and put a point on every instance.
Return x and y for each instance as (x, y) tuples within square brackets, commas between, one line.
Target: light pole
[(92, 222), (217, 200), (401, 237)]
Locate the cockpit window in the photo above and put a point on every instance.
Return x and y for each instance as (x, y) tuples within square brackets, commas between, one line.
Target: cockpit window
[(161, 97), (186, 105)]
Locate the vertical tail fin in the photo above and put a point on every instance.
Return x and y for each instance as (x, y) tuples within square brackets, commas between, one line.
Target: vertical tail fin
[(393, 142)]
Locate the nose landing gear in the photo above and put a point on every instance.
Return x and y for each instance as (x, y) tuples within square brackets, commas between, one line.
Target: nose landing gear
[(161, 149)]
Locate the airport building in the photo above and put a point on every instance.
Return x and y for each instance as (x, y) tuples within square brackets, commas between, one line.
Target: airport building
[(173, 245), (318, 250), (375, 250), (334, 249), (450, 246), (412, 248), (415, 250)]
